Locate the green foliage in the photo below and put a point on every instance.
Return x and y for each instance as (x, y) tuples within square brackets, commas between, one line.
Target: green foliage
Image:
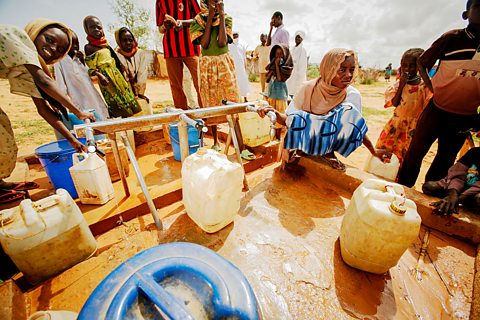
[(137, 19), (368, 76), (313, 71), (32, 130)]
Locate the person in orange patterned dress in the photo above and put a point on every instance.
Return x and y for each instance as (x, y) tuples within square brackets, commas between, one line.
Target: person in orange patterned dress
[(409, 96)]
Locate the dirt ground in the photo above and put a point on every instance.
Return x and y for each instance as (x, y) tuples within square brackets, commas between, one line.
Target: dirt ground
[(32, 131)]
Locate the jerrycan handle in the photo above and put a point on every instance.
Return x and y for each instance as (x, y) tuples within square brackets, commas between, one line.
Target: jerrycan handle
[(397, 206), (79, 157)]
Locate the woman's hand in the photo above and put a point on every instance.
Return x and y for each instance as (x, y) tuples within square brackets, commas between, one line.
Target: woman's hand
[(263, 110), (103, 80), (381, 154), (77, 145), (85, 115)]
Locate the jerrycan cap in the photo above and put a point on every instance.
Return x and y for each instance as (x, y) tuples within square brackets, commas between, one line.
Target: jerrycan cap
[(202, 151), (398, 207)]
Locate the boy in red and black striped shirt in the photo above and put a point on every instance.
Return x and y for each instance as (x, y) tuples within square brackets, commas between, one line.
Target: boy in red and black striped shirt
[(177, 46)]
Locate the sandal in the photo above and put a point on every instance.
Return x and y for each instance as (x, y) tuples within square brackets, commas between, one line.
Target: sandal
[(332, 162), (216, 148), (19, 186), (8, 196), (25, 186), (247, 155)]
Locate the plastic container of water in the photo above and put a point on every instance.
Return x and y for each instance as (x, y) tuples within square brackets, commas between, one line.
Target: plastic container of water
[(387, 170), (56, 160), (194, 141), (106, 147), (173, 281), (212, 189), (255, 130), (378, 227), (45, 237), (91, 179)]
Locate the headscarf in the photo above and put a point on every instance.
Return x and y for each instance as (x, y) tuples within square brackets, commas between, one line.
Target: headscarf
[(286, 67), (34, 28), (91, 40), (197, 28), (130, 54), (300, 33), (320, 95)]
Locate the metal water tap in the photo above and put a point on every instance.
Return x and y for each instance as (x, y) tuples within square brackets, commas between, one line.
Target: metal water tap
[(197, 124), (90, 138)]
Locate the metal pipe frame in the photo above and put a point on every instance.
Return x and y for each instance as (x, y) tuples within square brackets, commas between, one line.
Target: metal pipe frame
[(111, 126), (176, 115), (140, 179)]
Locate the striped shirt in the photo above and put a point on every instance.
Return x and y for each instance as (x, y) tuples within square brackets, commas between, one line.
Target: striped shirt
[(177, 44)]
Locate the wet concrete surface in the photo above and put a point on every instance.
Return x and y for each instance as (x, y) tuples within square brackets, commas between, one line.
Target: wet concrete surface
[(285, 241)]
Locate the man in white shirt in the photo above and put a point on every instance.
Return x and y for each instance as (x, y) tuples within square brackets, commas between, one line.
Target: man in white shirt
[(262, 54), (281, 35)]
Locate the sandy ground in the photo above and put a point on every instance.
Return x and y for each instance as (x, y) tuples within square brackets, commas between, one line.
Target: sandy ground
[(31, 131)]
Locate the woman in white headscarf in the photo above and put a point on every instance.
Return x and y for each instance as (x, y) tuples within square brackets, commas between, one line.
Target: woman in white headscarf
[(300, 62)]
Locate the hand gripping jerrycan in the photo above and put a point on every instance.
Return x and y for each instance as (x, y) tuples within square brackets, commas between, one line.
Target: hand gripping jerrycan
[(212, 189), (91, 179), (45, 237), (386, 170), (378, 227)]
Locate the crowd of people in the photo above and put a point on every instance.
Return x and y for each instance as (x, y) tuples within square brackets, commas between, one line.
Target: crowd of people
[(316, 118)]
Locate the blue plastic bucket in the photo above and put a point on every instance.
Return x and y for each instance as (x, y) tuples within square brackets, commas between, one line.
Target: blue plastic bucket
[(144, 282), (56, 159), (194, 141)]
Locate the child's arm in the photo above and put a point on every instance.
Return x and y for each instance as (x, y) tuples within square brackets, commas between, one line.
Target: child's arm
[(278, 74), (422, 69), (427, 60), (205, 40), (49, 85), (222, 34), (46, 113), (398, 95)]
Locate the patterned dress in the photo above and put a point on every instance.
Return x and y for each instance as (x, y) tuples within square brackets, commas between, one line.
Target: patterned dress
[(218, 80), (16, 50), (398, 131), (118, 93)]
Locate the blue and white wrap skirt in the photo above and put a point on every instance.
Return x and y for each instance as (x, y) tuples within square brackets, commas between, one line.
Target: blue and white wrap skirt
[(342, 130)]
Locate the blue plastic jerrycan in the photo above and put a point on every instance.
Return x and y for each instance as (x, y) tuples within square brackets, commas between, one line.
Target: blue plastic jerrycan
[(173, 281)]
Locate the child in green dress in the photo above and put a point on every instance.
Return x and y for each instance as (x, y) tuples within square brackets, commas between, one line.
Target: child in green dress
[(103, 63)]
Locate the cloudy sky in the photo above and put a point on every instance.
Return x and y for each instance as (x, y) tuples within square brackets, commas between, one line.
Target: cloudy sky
[(379, 30)]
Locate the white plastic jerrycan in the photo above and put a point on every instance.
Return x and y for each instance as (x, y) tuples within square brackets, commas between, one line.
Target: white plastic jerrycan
[(378, 227), (45, 237), (255, 130), (212, 189), (91, 179), (383, 169)]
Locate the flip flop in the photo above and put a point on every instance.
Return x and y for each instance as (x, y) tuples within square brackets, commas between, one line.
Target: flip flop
[(216, 148), (8, 196), (25, 186), (247, 155)]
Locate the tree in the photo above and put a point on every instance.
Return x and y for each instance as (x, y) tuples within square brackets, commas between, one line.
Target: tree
[(137, 19)]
